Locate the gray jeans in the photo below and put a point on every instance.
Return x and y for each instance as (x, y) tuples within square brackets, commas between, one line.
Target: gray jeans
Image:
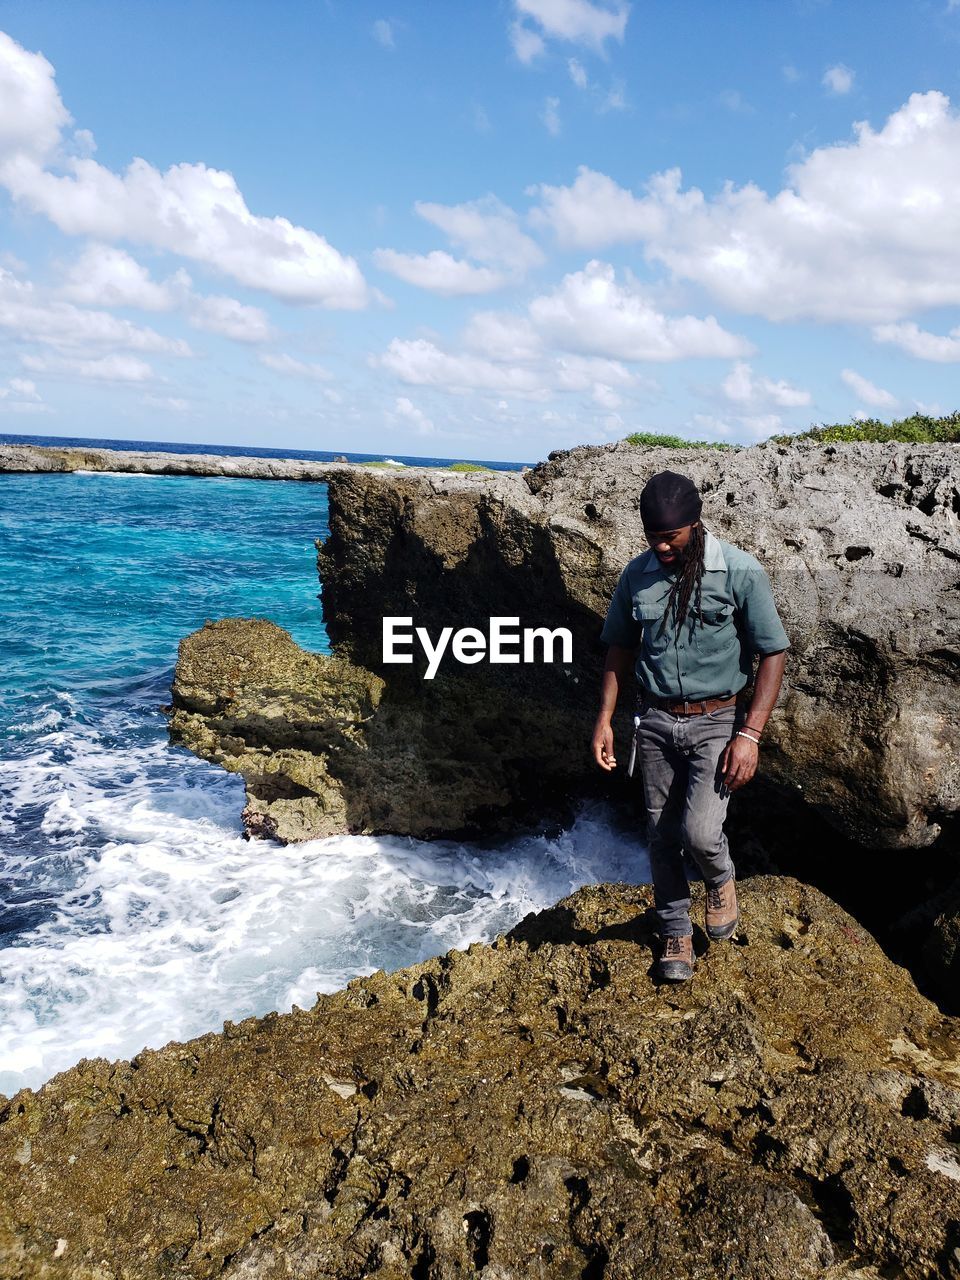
[(686, 802)]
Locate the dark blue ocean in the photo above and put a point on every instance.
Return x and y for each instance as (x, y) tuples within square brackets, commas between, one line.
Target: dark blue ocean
[(132, 910)]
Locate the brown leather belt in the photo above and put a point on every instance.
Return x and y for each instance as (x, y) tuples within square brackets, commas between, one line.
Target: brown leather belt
[(685, 707)]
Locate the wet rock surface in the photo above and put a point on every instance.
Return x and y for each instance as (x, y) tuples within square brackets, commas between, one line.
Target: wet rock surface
[(541, 1106), (326, 746)]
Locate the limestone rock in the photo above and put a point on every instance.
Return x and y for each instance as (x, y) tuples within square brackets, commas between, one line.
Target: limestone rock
[(540, 1106), (862, 544)]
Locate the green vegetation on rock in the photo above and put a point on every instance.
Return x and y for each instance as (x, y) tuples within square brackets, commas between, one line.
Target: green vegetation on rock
[(467, 466), (919, 428), (675, 442)]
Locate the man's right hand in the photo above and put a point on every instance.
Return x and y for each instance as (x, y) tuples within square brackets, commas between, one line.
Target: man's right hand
[(603, 746)]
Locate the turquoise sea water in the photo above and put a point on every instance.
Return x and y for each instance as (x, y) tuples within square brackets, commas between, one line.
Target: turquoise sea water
[(132, 910)]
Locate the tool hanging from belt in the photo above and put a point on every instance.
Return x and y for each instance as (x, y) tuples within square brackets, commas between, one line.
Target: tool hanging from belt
[(633, 746)]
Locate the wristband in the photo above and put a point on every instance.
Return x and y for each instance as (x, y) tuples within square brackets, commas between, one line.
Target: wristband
[(749, 737)]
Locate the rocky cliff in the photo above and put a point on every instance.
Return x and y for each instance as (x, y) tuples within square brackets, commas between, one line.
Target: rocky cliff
[(538, 1107), (862, 543)]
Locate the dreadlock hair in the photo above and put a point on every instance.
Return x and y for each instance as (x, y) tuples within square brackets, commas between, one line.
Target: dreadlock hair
[(687, 583)]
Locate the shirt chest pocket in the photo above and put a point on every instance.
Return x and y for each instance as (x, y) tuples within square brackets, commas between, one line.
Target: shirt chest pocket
[(718, 628), (650, 613)]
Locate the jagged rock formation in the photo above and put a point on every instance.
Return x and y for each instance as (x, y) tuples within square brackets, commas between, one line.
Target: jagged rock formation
[(324, 746), (538, 1107), (862, 543)]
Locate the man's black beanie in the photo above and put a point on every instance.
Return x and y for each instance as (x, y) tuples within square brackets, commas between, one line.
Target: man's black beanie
[(669, 501)]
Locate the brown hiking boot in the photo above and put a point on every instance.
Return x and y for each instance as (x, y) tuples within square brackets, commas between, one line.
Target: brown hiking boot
[(722, 912), (676, 958)]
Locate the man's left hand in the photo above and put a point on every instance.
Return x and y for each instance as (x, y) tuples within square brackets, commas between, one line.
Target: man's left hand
[(738, 763)]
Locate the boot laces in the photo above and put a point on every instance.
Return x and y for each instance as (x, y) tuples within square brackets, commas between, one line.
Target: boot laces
[(674, 946), (715, 896)]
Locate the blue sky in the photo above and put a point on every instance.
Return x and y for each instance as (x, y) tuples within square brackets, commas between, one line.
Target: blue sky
[(476, 230)]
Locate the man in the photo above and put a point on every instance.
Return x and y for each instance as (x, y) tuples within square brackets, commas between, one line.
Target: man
[(699, 609)]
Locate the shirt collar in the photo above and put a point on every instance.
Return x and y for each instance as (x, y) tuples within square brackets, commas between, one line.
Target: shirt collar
[(712, 556)]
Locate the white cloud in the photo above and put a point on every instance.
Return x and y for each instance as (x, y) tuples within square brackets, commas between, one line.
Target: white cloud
[(527, 44), (576, 21), (32, 115), (104, 276), (594, 212), (919, 342), (866, 391), (577, 73), (24, 387), (421, 363), (742, 386), (406, 409), (550, 116), (585, 373), (112, 368), (838, 79), (20, 395), (30, 318), (579, 338), (485, 229), (503, 335), (280, 362), (439, 272), (606, 396), (383, 33), (531, 373), (820, 248), (190, 210), (589, 312), (230, 318)]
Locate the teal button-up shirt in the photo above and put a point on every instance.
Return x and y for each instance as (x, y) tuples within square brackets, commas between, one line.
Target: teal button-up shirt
[(740, 619)]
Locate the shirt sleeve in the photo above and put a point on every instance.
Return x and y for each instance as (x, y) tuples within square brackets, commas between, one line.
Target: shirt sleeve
[(758, 612), (621, 627)]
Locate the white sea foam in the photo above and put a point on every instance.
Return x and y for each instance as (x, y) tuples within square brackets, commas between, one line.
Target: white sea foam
[(165, 921)]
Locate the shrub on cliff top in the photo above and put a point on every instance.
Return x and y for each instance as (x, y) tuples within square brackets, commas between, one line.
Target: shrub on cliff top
[(919, 428), (467, 466), (675, 442)]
